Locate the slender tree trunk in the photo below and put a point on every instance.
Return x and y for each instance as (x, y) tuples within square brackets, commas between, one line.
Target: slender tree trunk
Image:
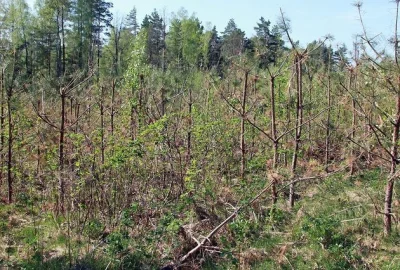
[(163, 101), (38, 152), (59, 45), (189, 133), (273, 123), (390, 182), (353, 126), (310, 76), (80, 47), (117, 35), (395, 141), (98, 57), (49, 55), (299, 123), (61, 153), (77, 107), (242, 128), (275, 139), (132, 118), (288, 114), (26, 48), (353, 85), (63, 39), (137, 109), (253, 129), (10, 145), (328, 121), (102, 126), (112, 107), (164, 34), (2, 117), (10, 91)]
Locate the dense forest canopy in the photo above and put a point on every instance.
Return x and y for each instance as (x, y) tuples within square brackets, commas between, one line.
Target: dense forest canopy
[(161, 143)]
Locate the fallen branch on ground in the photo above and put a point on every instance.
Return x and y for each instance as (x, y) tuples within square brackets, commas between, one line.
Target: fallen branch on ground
[(200, 244)]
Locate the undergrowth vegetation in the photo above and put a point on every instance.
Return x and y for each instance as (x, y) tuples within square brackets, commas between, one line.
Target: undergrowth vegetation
[(334, 226)]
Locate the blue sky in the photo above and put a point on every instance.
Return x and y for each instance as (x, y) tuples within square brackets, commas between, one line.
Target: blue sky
[(310, 19)]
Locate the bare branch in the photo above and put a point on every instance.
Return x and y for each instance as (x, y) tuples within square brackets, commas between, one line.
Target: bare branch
[(286, 28), (368, 151), (44, 118), (380, 142), (304, 123), (239, 209), (358, 5)]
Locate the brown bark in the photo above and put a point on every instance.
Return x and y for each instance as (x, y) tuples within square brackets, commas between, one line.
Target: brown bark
[(59, 46), (299, 123), (274, 137), (63, 40), (273, 123), (10, 145), (242, 127), (112, 107), (328, 120), (117, 35), (353, 127), (10, 92), (61, 153), (2, 137), (38, 152), (395, 142), (390, 182), (132, 119), (310, 88), (49, 45), (163, 101), (189, 133), (102, 125)]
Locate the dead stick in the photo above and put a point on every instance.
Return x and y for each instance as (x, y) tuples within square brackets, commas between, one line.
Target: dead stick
[(201, 244), (184, 258)]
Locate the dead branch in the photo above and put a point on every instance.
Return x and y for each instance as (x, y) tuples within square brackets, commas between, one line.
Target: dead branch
[(236, 212), (216, 229), (365, 38)]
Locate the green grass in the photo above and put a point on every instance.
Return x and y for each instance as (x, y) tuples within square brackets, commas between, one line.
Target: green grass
[(333, 226)]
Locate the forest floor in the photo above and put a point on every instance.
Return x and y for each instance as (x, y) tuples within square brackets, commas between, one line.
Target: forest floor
[(335, 224)]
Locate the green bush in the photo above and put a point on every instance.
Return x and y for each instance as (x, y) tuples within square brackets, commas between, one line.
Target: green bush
[(94, 229), (117, 242)]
